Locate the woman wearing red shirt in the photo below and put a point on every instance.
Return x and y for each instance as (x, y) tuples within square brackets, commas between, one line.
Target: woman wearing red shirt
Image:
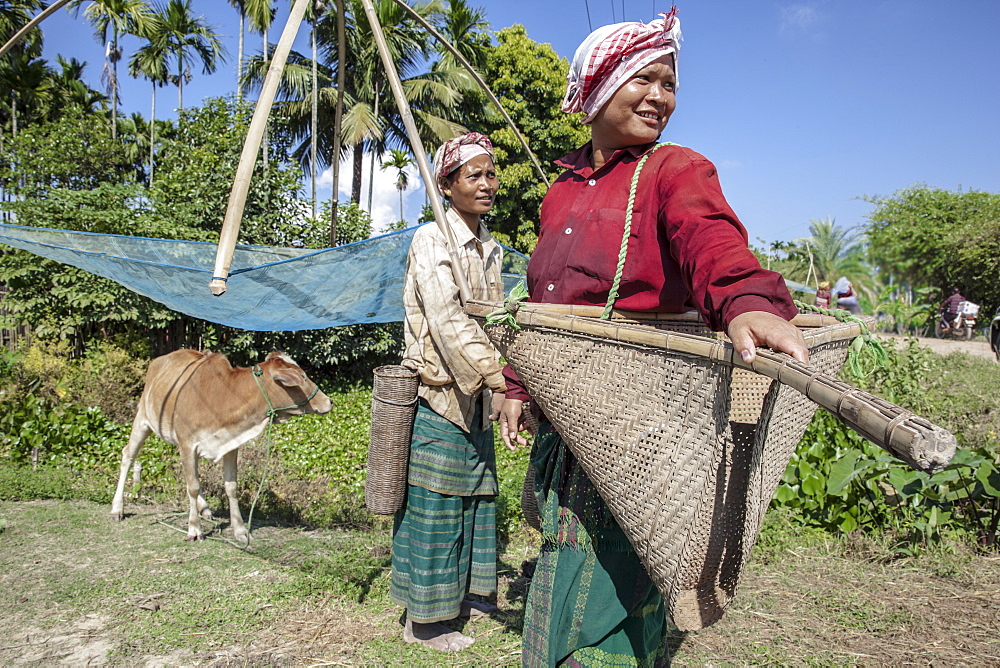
[(591, 602)]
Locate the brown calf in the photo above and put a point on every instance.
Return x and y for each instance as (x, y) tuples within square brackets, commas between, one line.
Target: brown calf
[(204, 406)]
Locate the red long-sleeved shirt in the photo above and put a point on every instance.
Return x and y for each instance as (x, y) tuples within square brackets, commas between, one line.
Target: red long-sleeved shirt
[(687, 249)]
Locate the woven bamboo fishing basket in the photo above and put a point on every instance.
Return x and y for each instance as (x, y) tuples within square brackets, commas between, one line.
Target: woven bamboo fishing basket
[(394, 403), (685, 449)]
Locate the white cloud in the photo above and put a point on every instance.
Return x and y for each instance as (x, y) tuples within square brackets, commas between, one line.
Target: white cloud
[(385, 197), (800, 18), (731, 164)]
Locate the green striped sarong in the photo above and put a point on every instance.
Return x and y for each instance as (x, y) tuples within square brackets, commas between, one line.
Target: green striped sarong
[(444, 539), (591, 602)]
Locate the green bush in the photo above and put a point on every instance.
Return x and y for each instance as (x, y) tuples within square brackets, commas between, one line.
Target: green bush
[(105, 377)]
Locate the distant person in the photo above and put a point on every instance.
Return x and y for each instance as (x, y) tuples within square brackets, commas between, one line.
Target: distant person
[(949, 307), (847, 299), (297, 243), (823, 295)]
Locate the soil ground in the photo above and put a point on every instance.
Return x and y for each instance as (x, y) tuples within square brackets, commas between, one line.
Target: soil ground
[(77, 589)]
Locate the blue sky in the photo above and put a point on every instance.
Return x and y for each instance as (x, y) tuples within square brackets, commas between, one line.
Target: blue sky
[(805, 107)]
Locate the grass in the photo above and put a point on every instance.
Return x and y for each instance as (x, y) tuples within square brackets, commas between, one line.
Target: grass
[(75, 586)]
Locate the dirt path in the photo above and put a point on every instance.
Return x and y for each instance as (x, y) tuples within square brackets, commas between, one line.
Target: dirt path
[(976, 348)]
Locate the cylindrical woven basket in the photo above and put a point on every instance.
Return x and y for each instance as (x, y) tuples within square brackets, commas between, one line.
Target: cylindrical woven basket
[(685, 449), (394, 403)]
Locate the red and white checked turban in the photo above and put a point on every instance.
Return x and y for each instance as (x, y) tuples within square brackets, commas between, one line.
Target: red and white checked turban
[(612, 54), (456, 152)]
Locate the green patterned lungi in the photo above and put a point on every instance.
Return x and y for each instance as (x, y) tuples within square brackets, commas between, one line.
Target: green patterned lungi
[(444, 539), (591, 602)]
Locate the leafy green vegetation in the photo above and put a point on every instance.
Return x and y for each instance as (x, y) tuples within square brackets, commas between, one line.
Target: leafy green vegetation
[(839, 482)]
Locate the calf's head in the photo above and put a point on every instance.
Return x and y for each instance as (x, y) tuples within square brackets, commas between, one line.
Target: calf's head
[(290, 390)]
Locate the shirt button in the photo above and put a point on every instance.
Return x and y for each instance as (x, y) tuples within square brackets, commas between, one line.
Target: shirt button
[(592, 182), (552, 286), (569, 230)]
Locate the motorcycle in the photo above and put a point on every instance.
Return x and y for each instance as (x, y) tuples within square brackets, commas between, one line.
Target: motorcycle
[(962, 327)]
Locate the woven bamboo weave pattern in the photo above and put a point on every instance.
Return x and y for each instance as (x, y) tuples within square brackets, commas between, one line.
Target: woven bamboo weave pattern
[(686, 450), (394, 402)]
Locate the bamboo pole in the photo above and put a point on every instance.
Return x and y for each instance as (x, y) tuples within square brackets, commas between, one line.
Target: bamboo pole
[(241, 183), (916, 441), (19, 35), (479, 80), (464, 293), (338, 116)]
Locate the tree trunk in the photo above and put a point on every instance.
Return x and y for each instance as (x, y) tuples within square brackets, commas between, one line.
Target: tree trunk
[(338, 115), (315, 119), (371, 181), (114, 85), (152, 135), (359, 157), (371, 169), (263, 142), (239, 56)]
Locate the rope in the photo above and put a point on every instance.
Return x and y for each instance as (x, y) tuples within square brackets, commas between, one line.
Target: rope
[(272, 412), (864, 346), (623, 251)]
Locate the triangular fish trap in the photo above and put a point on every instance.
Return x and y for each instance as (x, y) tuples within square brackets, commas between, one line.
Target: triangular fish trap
[(684, 442)]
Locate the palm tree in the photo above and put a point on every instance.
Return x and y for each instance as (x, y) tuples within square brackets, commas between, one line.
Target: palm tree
[(150, 62), (188, 39), (71, 89), (400, 160), (246, 7), (27, 81), (118, 16), (371, 120), (135, 135), (831, 251), (467, 29)]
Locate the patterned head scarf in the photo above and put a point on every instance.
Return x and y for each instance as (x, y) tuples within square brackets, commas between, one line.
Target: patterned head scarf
[(612, 54), (456, 152)]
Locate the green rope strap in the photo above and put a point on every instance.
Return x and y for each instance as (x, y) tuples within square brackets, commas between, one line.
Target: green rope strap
[(272, 413), (864, 346), (623, 251), (505, 315)]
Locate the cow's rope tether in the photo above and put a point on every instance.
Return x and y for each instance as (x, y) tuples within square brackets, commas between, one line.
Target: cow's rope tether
[(272, 413)]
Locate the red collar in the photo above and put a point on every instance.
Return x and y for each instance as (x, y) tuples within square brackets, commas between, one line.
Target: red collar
[(582, 158)]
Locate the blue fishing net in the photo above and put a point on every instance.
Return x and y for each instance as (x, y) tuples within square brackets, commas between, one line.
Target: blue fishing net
[(269, 288)]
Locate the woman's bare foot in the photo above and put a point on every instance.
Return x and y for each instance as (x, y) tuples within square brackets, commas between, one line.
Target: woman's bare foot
[(476, 609), (436, 636)]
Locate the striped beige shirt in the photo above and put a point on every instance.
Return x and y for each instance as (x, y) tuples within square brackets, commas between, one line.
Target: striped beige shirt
[(450, 350)]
